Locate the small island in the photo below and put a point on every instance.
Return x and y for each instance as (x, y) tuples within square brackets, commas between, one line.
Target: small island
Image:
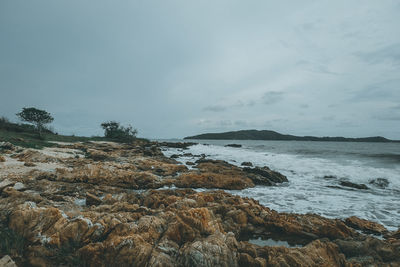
[(272, 135)]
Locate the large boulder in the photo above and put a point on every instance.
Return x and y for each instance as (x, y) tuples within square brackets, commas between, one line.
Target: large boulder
[(265, 176)]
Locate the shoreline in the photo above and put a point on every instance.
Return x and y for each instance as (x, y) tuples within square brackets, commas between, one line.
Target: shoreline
[(40, 210)]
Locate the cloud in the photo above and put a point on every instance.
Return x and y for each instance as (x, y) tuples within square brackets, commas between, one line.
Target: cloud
[(389, 53), (272, 97), (215, 108)]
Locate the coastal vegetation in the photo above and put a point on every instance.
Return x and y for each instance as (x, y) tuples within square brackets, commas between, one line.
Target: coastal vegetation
[(37, 134), (37, 117), (115, 131)]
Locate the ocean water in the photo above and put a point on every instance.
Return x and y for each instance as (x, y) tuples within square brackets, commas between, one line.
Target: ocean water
[(315, 170)]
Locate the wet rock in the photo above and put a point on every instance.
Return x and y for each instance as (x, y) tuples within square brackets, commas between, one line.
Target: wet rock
[(6, 261), (189, 163), (265, 176), (247, 164), (174, 156), (329, 177), (233, 145), (379, 182), (29, 164), (366, 226), (353, 185), (184, 145), (92, 200)]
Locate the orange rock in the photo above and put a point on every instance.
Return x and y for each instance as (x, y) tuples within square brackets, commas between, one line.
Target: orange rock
[(365, 225), (213, 180)]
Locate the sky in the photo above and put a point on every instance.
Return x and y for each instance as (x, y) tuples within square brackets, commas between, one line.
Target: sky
[(174, 68)]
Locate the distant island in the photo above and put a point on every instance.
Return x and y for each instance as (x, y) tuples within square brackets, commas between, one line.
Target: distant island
[(272, 135)]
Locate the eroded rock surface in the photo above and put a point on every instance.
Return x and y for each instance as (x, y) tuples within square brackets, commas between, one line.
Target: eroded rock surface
[(117, 210)]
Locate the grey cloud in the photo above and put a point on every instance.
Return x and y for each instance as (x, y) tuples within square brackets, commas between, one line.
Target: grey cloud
[(215, 108), (328, 118), (272, 97), (175, 67), (389, 53)]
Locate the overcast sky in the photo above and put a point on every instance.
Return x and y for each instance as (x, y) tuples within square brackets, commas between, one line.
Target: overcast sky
[(178, 68)]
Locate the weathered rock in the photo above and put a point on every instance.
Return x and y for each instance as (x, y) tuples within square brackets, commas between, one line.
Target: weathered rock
[(5, 183), (247, 164), (92, 200), (29, 164), (97, 155), (184, 145), (6, 261), (6, 146), (19, 186), (2, 159), (265, 176), (172, 227), (233, 145), (212, 180), (353, 185), (366, 226), (380, 182)]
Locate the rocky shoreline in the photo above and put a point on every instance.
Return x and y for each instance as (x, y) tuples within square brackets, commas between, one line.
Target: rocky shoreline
[(108, 204)]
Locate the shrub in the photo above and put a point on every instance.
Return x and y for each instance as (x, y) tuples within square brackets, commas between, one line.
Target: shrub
[(37, 117), (114, 130)]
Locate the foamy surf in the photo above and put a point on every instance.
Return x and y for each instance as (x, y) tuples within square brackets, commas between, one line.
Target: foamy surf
[(314, 183)]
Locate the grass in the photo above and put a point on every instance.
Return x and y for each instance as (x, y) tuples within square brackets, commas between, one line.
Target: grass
[(32, 140), (25, 135)]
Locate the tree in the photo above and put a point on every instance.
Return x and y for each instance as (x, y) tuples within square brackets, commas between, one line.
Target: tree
[(114, 130), (37, 117)]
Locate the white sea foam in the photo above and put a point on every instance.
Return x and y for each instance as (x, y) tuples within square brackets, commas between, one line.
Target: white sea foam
[(308, 191)]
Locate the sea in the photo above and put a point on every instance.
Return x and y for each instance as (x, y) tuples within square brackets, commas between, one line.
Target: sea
[(315, 171)]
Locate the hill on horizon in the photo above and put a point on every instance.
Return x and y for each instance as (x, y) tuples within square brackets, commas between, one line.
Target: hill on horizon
[(272, 135)]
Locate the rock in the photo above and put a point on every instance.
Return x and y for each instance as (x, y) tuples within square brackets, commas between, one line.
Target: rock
[(97, 155), (366, 226), (6, 261), (5, 183), (167, 227), (2, 159), (212, 251), (19, 186), (330, 177), (380, 182), (247, 164), (189, 163), (353, 185), (265, 176), (29, 164), (233, 145), (213, 180), (6, 146), (184, 145), (174, 156), (30, 155), (92, 200)]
